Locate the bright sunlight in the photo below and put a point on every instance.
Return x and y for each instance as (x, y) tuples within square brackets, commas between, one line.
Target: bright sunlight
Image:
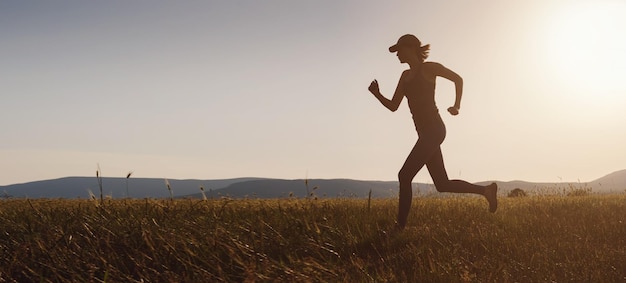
[(585, 48)]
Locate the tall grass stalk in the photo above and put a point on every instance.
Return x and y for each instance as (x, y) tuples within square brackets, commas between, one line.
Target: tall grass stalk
[(91, 195), (128, 177), (169, 188), (306, 184), (99, 177), (203, 195)]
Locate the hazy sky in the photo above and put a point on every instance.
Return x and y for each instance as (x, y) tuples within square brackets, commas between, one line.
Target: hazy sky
[(221, 89)]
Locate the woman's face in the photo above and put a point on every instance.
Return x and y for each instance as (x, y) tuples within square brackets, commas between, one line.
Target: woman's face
[(406, 54)]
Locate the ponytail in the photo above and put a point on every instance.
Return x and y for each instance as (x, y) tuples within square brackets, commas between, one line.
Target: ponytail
[(423, 52)]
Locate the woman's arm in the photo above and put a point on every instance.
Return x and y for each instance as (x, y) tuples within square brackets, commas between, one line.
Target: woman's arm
[(444, 72), (392, 104)]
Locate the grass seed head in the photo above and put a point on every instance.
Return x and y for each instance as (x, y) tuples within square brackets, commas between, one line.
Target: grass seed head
[(167, 183)]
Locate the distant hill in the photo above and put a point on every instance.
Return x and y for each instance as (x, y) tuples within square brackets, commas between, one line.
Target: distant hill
[(614, 182), (611, 183), (79, 187)]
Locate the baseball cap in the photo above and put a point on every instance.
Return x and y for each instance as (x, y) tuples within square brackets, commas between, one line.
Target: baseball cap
[(407, 40)]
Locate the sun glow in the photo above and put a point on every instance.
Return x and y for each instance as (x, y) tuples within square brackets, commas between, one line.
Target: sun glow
[(586, 47)]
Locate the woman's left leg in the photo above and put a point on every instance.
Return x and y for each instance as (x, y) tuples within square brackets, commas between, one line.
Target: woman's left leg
[(438, 173)]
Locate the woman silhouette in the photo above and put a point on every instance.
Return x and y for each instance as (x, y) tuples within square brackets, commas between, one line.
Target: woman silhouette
[(418, 85)]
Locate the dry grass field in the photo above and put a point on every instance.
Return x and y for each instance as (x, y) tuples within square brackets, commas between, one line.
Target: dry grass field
[(448, 239)]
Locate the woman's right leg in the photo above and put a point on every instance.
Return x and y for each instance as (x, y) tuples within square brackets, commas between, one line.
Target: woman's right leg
[(421, 152)]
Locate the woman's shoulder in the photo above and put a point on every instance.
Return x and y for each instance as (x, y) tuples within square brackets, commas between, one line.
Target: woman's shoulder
[(433, 68), (431, 64), (405, 74)]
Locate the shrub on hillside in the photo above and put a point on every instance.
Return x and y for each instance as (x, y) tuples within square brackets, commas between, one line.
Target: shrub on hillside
[(517, 192)]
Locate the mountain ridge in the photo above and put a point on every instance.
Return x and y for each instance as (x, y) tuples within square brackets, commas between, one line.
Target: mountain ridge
[(256, 187)]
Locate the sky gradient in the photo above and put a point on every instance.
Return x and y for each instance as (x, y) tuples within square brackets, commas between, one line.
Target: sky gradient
[(222, 89)]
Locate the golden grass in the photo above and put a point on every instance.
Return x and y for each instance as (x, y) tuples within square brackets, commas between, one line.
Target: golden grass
[(447, 240)]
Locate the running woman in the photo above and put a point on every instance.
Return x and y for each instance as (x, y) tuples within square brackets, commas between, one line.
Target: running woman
[(417, 84)]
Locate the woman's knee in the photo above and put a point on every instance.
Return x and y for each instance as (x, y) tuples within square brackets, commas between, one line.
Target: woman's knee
[(405, 175), (442, 186)]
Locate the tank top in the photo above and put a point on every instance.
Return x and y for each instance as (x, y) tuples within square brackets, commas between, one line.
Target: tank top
[(420, 94)]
